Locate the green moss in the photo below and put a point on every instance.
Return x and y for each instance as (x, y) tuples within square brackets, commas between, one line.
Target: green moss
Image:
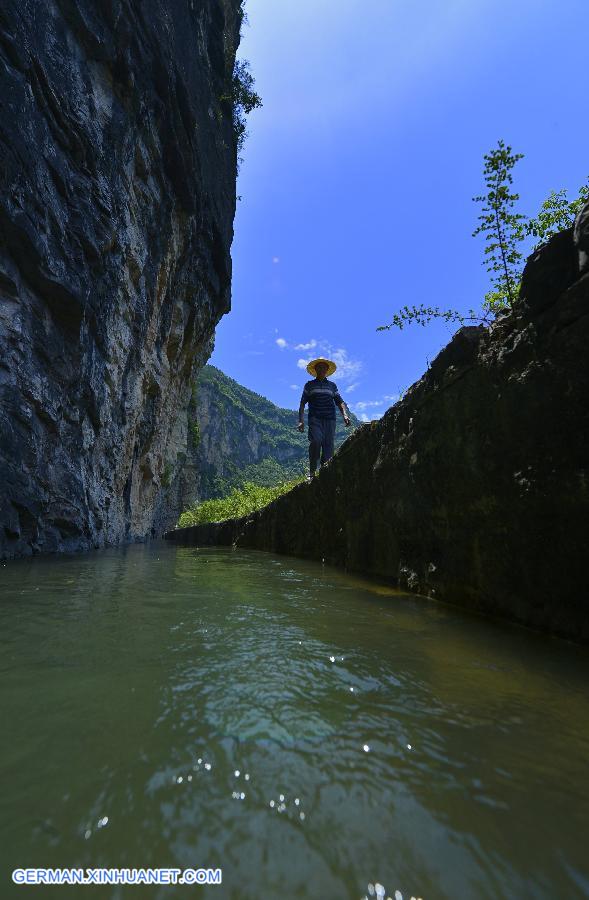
[(194, 432)]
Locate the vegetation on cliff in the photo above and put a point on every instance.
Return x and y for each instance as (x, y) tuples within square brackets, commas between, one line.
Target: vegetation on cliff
[(239, 96), (505, 230), (243, 98), (240, 502)]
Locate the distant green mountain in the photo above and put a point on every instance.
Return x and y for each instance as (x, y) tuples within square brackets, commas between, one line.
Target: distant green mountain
[(236, 435)]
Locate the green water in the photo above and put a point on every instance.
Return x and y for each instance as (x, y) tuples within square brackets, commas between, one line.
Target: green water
[(123, 668)]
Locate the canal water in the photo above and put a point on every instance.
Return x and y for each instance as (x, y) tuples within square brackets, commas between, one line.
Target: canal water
[(312, 734)]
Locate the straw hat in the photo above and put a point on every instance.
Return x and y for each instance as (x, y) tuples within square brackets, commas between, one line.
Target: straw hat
[(331, 366)]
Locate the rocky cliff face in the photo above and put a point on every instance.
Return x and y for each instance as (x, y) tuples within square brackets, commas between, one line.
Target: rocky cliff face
[(474, 489), (118, 164)]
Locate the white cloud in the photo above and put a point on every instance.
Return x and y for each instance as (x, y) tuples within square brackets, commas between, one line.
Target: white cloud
[(347, 368), (275, 259), (361, 405), (295, 387), (352, 387), (375, 416), (365, 404)]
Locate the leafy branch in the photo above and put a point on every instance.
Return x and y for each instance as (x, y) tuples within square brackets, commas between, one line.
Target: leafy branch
[(239, 97), (556, 214), (422, 315)]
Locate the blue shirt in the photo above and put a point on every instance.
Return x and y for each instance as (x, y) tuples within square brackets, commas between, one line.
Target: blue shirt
[(321, 397)]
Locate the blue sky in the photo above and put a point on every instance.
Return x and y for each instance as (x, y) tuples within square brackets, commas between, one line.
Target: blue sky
[(359, 172)]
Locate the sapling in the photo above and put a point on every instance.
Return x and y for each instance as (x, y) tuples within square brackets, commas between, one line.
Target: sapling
[(503, 228)]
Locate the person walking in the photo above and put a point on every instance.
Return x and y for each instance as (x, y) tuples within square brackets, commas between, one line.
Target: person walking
[(322, 396)]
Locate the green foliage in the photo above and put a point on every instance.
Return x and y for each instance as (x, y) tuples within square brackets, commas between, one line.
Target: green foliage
[(501, 226), (240, 502), (504, 230), (556, 214), (242, 15), (275, 425), (243, 94), (239, 95), (167, 475), (229, 394), (243, 100), (422, 315), (194, 432), (267, 473), (498, 300)]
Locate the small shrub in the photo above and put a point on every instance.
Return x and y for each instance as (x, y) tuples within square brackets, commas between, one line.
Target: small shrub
[(194, 432), (243, 100), (502, 228), (557, 213)]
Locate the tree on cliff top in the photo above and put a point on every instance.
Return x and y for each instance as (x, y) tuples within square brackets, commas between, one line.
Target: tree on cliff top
[(504, 230), (238, 96)]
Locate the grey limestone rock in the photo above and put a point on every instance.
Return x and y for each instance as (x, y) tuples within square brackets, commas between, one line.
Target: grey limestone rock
[(581, 237), (550, 270), (117, 172)]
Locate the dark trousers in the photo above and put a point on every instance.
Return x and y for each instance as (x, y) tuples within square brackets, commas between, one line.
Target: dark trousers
[(321, 436)]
